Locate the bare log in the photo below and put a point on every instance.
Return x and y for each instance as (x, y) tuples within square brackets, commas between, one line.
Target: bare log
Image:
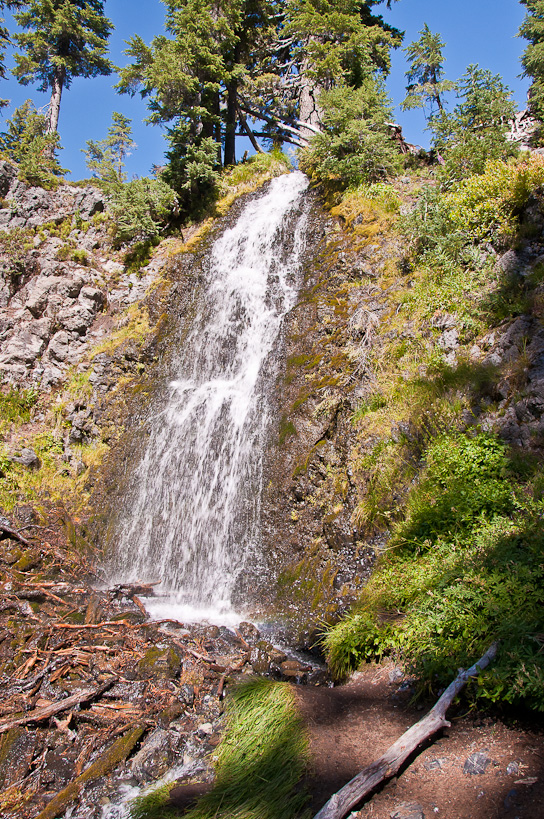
[(390, 763), (40, 714)]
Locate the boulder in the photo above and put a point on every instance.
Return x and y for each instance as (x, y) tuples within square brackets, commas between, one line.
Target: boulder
[(76, 319), (59, 346), (22, 348), (27, 457)]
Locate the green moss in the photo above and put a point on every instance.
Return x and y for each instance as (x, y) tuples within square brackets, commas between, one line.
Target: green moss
[(287, 430)]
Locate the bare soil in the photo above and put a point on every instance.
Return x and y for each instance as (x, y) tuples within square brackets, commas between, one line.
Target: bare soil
[(352, 725)]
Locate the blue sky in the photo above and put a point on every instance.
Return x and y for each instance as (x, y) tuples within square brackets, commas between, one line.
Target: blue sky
[(475, 31)]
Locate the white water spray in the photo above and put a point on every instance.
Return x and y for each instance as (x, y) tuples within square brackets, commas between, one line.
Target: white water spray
[(193, 519)]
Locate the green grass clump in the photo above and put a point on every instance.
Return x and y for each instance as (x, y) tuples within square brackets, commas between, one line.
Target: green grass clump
[(15, 405), (463, 569), (259, 763)]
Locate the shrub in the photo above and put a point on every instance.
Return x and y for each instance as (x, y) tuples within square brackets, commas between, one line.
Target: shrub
[(355, 145), (141, 209), (463, 570)]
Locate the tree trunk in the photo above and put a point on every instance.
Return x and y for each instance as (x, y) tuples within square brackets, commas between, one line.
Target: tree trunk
[(230, 128), (54, 105), (309, 109)]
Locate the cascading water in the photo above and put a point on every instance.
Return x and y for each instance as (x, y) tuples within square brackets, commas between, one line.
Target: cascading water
[(192, 521)]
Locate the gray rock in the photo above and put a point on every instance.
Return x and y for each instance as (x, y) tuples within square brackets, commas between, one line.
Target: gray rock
[(512, 769), (8, 173), (396, 675), (59, 346), (154, 757), (41, 328), (28, 458), (408, 810), (187, 694), (476, 763), (449, 340), (510, 262), (434, 764), (90, 201), (22, 348), (76, 319), (51, 377), (92, 297), (249, 633)]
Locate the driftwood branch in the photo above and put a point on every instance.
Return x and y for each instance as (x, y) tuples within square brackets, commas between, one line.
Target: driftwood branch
[(48, 711), (390, 763)]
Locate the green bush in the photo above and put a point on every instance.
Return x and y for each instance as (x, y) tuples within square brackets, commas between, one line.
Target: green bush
[(355, 145), (141, 209), (15, 405), (463, 570)]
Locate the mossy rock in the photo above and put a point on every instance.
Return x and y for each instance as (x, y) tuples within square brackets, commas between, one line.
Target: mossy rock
[(28, 560), (160, 664)]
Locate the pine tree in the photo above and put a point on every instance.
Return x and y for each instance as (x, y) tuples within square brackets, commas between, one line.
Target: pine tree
[(27, 142), (532, 29), (106, 158), (226, 60), (426, 83), (62, 39), (476, 129)]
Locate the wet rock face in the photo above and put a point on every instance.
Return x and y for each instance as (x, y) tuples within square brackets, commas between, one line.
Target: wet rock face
[(316, 551)]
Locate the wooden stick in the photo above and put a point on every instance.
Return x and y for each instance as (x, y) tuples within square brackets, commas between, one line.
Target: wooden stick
[(390, 763), (48, 711), (8, 532)]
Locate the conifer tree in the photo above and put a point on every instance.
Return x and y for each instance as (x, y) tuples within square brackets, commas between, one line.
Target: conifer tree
[(426, 83), (476, 129), (106, 158), (532, 29), (61, 39), (226, 60), (27, 142)]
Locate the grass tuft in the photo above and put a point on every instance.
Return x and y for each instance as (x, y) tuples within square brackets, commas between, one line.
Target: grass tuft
[(259, 763)]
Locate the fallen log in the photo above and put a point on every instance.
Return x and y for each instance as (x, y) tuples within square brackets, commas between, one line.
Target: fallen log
[(39, 714), (393, 759)]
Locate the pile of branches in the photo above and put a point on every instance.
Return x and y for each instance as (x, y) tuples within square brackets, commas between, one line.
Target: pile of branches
[(86, 680)]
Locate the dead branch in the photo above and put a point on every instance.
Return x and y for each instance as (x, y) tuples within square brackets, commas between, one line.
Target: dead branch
[(7, 532), (40, 714), (390, 763)]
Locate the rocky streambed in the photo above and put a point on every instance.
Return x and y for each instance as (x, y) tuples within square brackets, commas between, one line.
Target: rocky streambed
[(98, 700)]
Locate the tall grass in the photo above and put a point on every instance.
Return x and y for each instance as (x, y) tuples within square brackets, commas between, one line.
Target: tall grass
[(259, 763)]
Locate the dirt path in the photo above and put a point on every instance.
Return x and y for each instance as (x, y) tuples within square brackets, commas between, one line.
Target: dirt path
[(352, 725)]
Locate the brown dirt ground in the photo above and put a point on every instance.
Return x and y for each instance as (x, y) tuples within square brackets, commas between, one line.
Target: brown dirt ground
[(352, 725)]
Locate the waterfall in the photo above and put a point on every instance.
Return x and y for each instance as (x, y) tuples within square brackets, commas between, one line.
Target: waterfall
[(192, 520)]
